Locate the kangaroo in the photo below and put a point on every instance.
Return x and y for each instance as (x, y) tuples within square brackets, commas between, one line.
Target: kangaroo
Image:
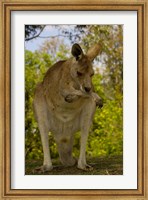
[(65, 103)]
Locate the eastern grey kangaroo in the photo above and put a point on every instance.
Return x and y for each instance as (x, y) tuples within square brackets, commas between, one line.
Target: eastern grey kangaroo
[(65, 103)]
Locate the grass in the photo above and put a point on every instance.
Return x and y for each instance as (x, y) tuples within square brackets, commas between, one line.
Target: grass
[(101, 166)]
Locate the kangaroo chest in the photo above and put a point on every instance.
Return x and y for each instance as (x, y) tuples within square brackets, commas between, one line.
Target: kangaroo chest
[(66, 112)]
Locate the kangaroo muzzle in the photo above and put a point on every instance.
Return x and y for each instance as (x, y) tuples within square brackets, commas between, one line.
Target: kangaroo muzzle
[(87, 89)]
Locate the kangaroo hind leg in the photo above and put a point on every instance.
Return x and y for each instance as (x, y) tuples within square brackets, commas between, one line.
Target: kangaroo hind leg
[(41, 114), (86, 120)]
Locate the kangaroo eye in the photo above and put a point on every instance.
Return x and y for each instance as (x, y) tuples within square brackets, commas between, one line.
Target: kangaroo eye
[(79, 74)]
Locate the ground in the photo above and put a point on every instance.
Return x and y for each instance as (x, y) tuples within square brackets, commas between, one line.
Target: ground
[(101, 166)]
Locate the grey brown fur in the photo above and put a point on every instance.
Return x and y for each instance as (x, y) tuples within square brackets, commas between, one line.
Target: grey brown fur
[(65, 103)]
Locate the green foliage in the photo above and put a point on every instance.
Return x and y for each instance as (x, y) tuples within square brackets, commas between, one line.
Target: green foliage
[(106, 134), (36, 64)]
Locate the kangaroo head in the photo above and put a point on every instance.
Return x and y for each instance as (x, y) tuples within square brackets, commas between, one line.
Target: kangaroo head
[(82, 69)]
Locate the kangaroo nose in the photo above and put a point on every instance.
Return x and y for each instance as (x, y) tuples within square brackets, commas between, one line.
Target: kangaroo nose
[(87, 89)]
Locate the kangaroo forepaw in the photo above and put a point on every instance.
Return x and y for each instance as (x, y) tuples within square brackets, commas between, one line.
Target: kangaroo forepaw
[(71, 97), (98, 100), (99, 103)]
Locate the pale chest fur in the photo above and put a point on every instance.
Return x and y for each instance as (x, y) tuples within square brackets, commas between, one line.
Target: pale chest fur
[(63, 111)]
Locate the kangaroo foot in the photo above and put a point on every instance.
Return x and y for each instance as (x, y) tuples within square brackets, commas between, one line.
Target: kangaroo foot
[(43, 168), (85, 167)]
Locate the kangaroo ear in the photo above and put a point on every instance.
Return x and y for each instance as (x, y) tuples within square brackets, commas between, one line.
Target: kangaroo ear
[(77, 51), (94, 51)]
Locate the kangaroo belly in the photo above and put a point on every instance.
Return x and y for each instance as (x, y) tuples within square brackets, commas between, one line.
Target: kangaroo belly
[(65, 115), (64, 122)]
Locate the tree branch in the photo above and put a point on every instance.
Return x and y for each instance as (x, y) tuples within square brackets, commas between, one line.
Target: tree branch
[(54, 36), (35, 36)]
